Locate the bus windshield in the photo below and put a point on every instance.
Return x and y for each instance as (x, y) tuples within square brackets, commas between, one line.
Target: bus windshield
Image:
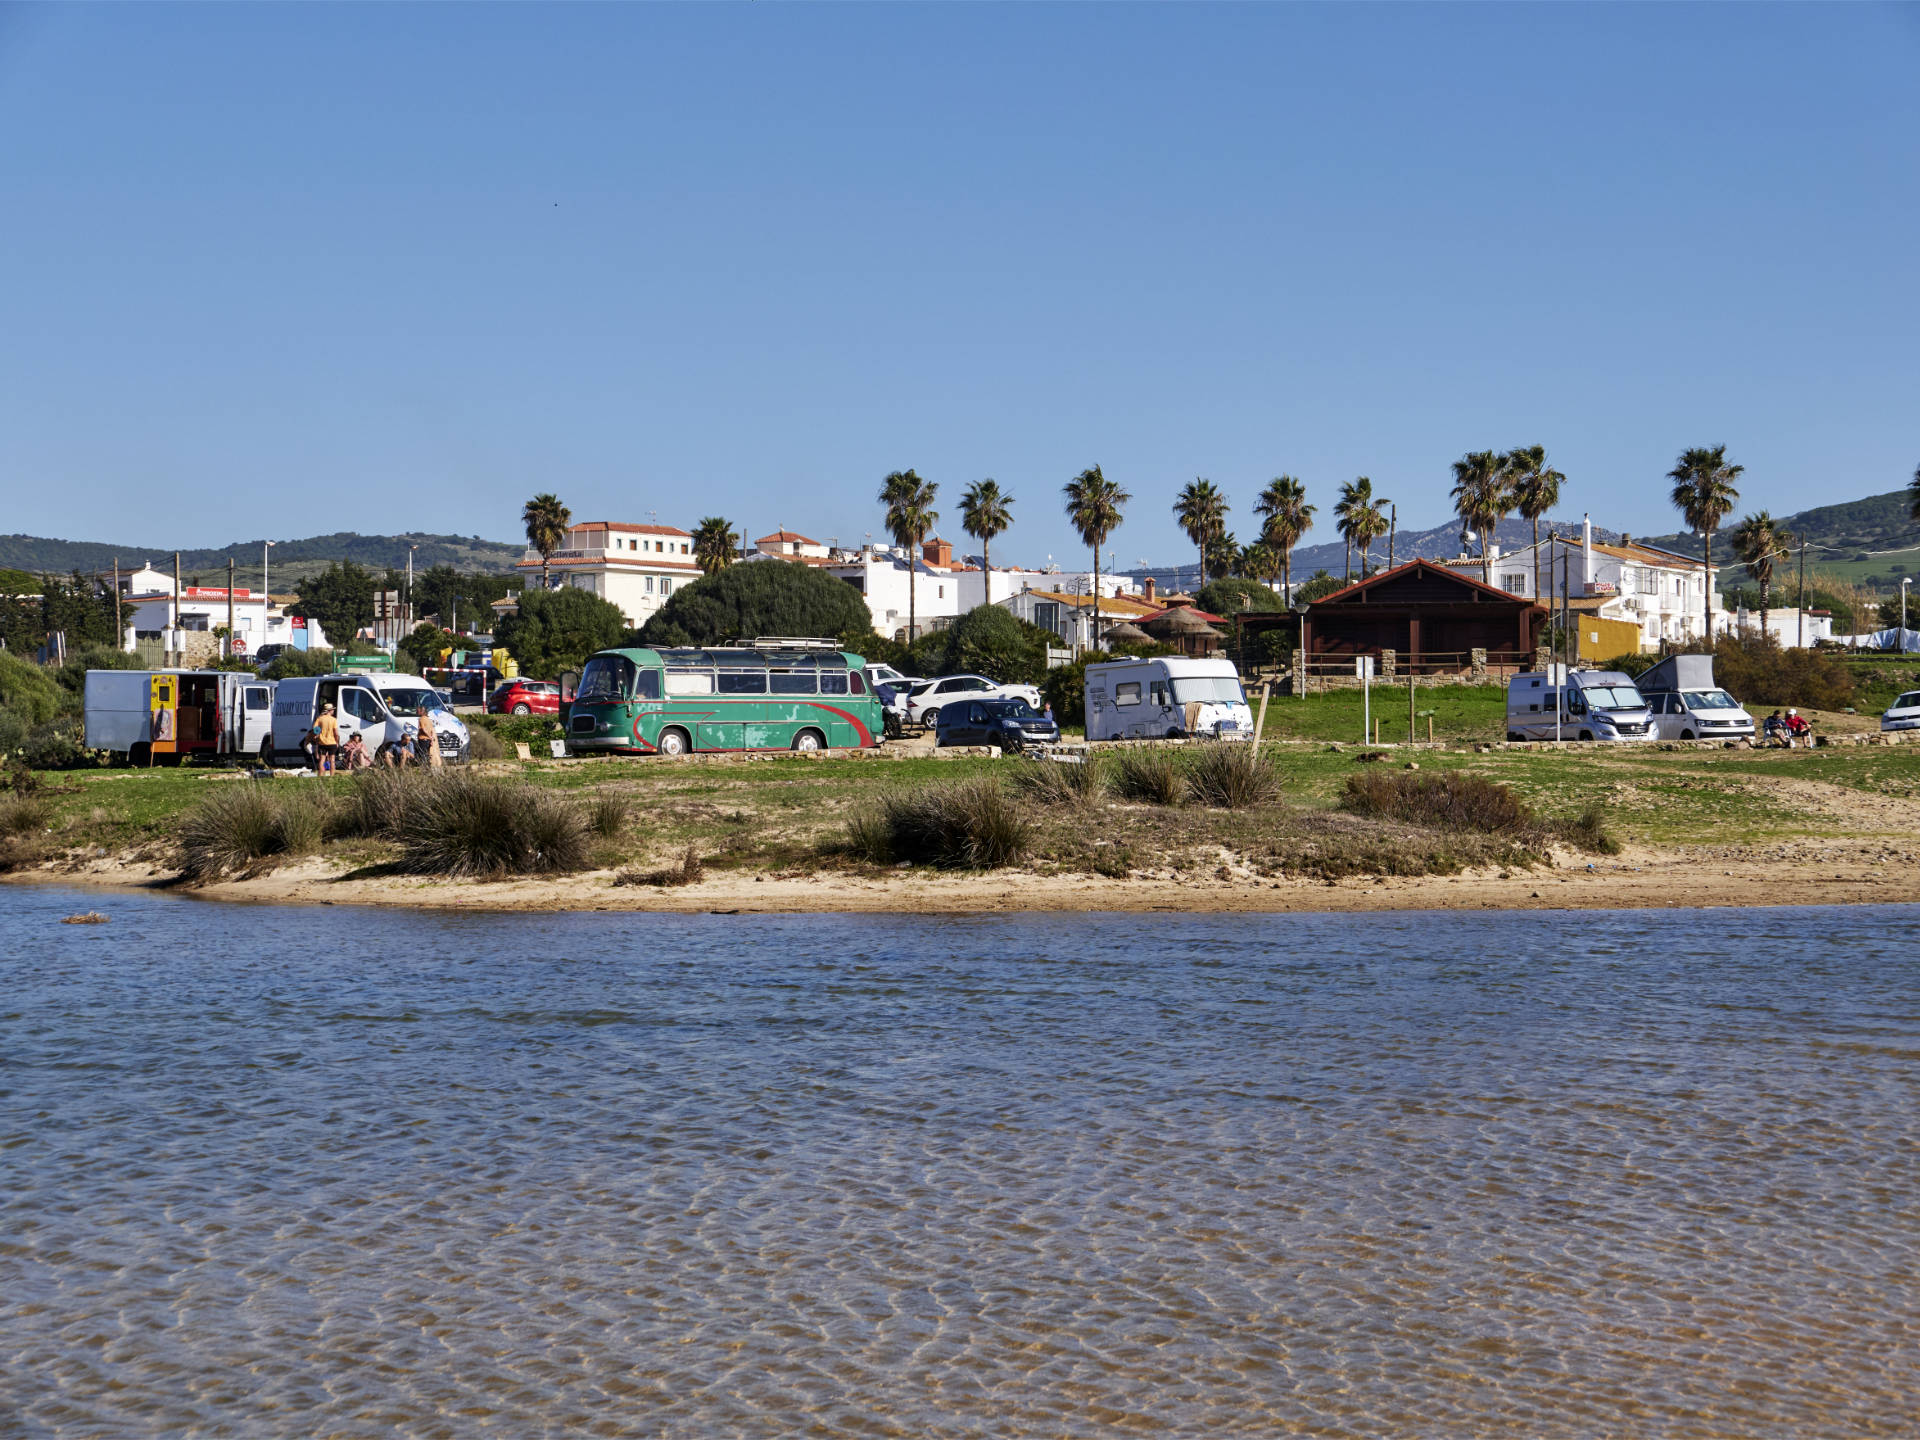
[(1207, 690), (606, 679)]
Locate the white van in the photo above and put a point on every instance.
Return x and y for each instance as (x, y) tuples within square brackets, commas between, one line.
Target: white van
[(1903, 714), (1166, 698), (382, 708), (1589, 705), (1688, 705), (161, 717)]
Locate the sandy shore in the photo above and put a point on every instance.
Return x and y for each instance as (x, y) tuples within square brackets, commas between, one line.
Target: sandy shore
[(1810, 872)]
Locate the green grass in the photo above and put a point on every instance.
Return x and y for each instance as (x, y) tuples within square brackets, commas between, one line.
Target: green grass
[(1461, 712)]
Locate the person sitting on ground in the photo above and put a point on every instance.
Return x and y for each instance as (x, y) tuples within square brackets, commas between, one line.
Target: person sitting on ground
[(1799, 732), (353, 755), (1774, 730), (326, 741)]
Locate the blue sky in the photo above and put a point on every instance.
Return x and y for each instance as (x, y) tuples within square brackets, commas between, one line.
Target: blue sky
[(281, 271)]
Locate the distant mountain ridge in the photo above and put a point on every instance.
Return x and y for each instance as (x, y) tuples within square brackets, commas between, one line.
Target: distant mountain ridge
[(291, 558), (1879, 522), (1442, 542)]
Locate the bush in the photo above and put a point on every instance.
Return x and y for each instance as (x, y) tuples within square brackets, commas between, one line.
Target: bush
[(1061, 782), (1232, 777), (24, 814), (243, 825), (766, 597), (988, 640), (968, 826), (1588, 832), (1633, 663), (1231, 594), (1759, 672), (482, 744), (57, 745), (28, 690), (1451, 801), (1065, 688), (1150, 775), (509, 730), (378, 801), (292, 664), (459, 824), (554, 631), (607, 815)]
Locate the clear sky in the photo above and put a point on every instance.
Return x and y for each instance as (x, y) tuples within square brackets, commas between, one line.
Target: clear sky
[(274, 270)]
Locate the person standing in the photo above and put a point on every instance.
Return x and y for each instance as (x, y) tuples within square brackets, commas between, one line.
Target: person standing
[(326, 740), (426, 742)]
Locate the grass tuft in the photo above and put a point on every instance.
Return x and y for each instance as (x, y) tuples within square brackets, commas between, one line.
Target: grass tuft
[(969, 826), (1588, 831), (379, 801), (241, 827), (1451, 801), (607, 815), (690, 871), (483, 744), (1062, 782), (1232, 777), (24, 814), (461, 825), (1152, 776)]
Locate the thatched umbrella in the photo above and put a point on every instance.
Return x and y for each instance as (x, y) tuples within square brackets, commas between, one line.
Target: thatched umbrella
[(1125, 630), (1185, 629)]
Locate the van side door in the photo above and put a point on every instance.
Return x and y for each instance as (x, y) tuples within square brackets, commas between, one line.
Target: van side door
[(361, 710), (256, 717)]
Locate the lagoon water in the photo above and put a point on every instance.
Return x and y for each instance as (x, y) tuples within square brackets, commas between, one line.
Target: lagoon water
[(333, 1172)]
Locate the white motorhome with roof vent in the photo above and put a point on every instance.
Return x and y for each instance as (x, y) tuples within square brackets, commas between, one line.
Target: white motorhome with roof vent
[(1166, 698), (1687, 705), (1563, 704)]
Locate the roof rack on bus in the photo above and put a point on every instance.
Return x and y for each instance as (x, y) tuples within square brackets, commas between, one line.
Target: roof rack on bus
[(796, 642)]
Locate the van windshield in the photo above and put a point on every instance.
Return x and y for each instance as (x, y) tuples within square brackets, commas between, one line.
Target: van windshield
[(1710, 700), (1207, 690), (1613, 697), (405, 702)]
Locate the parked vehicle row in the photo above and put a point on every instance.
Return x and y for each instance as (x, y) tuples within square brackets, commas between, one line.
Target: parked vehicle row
[(1009, 724), (1166, 698)]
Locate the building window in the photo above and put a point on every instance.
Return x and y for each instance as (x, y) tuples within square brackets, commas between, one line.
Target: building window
[(666, 587), (649, 584), (1513, 584), (683, 547)]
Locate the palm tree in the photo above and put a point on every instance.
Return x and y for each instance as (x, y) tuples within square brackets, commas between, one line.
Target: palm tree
[(1343, 516), (910, 516), (714, 542), (985, 511), (1093, 506), (546, 521), (1762, 542), (1261, 561), (1202, 513), (1703, 493), (1913, 491), (1481, 498), (1288, 516), (1361, 521), (1536, 490)]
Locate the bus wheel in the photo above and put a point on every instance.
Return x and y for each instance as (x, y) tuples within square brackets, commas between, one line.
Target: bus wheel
[(809, 740), (674, 742)]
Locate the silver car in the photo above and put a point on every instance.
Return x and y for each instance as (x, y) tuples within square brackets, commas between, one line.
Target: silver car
[(1903, 714), (923, 704)]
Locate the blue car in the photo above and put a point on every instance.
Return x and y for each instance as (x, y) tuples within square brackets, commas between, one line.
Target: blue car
[(1010, 724)]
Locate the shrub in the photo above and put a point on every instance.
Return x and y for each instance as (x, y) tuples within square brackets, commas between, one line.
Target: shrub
[(1232, 777), (1065, 688), (379, 800), (607, 815), (742, 602), (1061, 782), (240, 826), (1232, 593), (483, 745), (24, 814), (291, 664), (969, 826), (28, 690), (556, 630), (690, 871), (990, 640), (1153, 776), (1453, 801), (870, 837), (56, 745), (1759, 672), (459, 824), (1588, 831)]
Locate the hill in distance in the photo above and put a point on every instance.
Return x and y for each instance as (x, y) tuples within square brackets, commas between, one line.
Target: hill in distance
[(293, 560)]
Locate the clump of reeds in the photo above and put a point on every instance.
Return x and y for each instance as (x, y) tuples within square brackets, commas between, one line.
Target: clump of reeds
[(483, 744), (1152, 776), (973, 825), (607, 815), (1063, 782), (1588, 831), (24, 814), (689, 870), (380, 799), (461, 825), (1232, 777), (241, 827), (1451, 800)]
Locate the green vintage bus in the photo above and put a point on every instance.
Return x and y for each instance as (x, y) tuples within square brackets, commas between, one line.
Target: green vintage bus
[(793, 695)]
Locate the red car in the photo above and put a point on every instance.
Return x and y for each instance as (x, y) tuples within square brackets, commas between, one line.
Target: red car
[(525, 697)]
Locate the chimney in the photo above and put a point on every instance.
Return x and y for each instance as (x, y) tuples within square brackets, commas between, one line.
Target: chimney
[(1147, 590), (1586, 549), (937, 552), (1625, 538)]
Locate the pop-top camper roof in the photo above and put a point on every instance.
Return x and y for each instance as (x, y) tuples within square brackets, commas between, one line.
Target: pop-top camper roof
[(1679, 672)]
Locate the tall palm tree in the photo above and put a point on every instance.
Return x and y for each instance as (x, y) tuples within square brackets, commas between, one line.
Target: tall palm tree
[(1368, 521), (1481, 498), (1536, 490), (1288, 517), (986, 511), (1202, 512), (1261, 561), (1913, 492), (1093, 506), (1762, 542), (1703, 493), (714, 541), (1223, 554), (546, 521), (910, 516)]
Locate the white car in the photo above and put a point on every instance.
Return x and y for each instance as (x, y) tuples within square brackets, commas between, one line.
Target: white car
[(1903, 714), (1698, 715), (923, 705), (879, 674)]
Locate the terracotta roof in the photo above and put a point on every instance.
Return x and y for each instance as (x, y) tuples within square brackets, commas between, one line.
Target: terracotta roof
[(626, 529), (1109, 604), (784, 537), (635, 561)]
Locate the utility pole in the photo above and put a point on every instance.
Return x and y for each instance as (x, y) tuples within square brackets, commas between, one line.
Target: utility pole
[(1800, 605), (1393, 528), (176, 597), (409, 596), (119, 627), (229, 607)]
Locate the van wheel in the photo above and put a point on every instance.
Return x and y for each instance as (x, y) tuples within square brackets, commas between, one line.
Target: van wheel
[(141, 755), (809, 740), (266, 752), (674, 742), (1586, 735), (1513, 735), (1687, 735), (1176, 733)]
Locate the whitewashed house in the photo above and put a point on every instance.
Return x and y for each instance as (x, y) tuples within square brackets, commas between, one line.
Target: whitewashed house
[(637, 567)]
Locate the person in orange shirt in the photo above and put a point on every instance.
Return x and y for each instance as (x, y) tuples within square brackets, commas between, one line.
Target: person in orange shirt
[(326, 740)]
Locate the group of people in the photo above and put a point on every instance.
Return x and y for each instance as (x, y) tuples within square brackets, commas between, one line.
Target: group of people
[(1790, 730), (332, 756)]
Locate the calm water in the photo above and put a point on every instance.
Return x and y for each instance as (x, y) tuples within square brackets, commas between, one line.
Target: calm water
[(326, 1172)]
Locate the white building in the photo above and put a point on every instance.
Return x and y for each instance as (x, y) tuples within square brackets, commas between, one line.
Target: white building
[(636, 567), (786, 545), (1786, 625), (1661, 592), (153, 614), (945, 587)]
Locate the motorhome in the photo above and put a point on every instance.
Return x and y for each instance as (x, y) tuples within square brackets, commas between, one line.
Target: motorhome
[(383, 709), (161, 717), (1688, 705), (1166, 698), (1565, 704)]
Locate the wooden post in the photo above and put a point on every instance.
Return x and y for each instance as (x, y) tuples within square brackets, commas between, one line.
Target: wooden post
[(176, 607), (1410, 717), (1376, 729), (1429, 729), (1260, 721)]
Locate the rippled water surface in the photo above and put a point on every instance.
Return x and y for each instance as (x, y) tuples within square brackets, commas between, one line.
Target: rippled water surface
[(329, 1172)]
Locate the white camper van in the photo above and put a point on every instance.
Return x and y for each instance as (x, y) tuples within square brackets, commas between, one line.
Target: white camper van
[(1166, 698), (160, 717), (1687, 705), (382, 708), (1590, 705)]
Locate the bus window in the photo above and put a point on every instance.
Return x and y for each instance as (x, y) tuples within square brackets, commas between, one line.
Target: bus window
[(646, 685), (859, 684), (789, 682), (743, 682), (834, 684), (689, 682)]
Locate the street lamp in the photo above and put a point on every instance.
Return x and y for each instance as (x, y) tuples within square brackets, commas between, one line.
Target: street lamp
[(409, 599), (266, 590), (1905, 581)]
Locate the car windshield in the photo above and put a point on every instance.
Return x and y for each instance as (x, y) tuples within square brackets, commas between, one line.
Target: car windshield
[(405, 702), (1017, 709), (1711, 700), (1613, 697), (1907, 701), (606, 678), (1208, 690)]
